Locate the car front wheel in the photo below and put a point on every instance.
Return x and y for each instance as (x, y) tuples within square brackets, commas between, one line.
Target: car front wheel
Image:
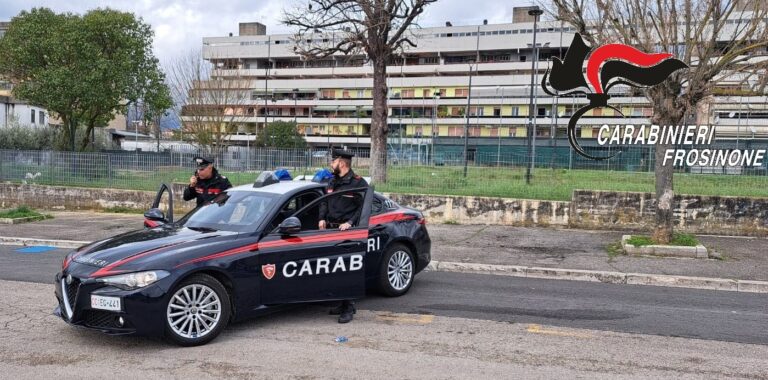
[(197, 311), (397, 270)]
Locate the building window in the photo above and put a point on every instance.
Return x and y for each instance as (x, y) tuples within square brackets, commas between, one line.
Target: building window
[(462, 92), (327, 94), (32, 117), (361, 93), (522, 58), (42, 117)]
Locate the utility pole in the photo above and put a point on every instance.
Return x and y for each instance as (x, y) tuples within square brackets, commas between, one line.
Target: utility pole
[(535, 12), (466, 119)]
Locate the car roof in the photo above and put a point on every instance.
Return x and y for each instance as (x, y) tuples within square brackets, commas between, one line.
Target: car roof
[(282, 187)]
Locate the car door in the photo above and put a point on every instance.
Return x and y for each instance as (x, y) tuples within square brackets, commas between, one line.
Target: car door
[(314, 264), (155, 215)]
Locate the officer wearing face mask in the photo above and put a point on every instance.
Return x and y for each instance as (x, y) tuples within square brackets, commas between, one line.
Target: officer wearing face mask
[(342, 212)]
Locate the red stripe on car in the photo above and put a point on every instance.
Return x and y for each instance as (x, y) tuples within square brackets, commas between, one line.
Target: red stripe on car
[(109, 269), (390, 217)]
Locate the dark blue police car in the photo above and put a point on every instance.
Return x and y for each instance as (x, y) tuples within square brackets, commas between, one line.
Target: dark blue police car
[(251, 249)]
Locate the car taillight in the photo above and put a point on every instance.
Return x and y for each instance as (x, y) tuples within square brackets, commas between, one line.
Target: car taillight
[(421, 220)]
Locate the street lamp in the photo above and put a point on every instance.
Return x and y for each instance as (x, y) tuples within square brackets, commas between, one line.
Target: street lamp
[(466, 118), (535, 12)]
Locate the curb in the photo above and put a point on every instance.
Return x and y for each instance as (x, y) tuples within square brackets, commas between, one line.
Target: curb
[(21, 220), (747, 286), (698, 251), (48, 242)]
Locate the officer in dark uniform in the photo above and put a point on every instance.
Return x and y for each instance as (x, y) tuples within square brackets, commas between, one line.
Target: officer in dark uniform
[(342, 212), (207, 183)]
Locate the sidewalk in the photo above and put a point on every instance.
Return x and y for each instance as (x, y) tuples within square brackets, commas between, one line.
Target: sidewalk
[(473, 248)]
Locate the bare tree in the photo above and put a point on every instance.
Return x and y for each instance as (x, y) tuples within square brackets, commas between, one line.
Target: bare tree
[(380, 29), (208, 106), (715, 38)]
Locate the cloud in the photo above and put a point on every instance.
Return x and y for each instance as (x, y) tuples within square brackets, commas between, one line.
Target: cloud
[(180, 25)]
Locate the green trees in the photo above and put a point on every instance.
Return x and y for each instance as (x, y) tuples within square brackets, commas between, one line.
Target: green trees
[(280, 134), (84, 69)]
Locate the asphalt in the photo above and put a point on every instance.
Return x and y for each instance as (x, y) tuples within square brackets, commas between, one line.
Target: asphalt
[(300, 344), (742, 258), (689, 313)]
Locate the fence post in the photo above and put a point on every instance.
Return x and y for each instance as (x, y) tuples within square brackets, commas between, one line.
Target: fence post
[(51, 172), (109, 170)]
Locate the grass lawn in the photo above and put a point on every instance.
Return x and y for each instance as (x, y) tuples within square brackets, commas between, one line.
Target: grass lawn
[(546, 184), (22, 212), (680, 239)]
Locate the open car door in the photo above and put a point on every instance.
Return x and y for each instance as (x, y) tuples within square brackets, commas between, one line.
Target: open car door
[(155, 216), (300, 263)]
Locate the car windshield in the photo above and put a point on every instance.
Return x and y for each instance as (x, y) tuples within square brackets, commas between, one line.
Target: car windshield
[(237, 211)]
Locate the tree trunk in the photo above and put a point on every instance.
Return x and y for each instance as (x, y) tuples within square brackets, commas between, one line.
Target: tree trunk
[(72, 129), (86, 138), (665, 195), (666, 112), (379, 127)]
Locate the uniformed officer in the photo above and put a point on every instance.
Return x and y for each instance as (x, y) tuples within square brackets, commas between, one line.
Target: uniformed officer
[(207, 183), (342, 212)]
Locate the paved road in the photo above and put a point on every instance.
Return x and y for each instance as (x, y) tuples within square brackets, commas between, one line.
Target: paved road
[(715, 315), (690, 313), (382, 345)]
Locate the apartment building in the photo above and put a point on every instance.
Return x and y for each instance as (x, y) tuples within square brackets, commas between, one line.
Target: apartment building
[(429, 92)]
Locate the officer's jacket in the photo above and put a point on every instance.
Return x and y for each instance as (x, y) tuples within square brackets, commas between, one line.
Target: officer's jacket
[(344, 208), (207, 189)]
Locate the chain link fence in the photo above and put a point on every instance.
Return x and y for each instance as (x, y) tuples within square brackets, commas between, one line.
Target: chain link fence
[(499, 172)]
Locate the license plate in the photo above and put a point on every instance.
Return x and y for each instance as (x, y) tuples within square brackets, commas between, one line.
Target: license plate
[(105, 303)]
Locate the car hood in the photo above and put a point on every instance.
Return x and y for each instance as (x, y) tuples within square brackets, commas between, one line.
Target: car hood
[(145, 245)]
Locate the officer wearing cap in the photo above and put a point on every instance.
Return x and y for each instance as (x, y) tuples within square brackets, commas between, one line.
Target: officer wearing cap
[(342, 212), (207, 183)]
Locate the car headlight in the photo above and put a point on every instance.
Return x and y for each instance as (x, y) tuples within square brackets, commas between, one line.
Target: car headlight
[(130, 281)]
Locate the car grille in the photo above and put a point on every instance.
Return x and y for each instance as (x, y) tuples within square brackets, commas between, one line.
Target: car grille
[(98, 318), (72, 292)]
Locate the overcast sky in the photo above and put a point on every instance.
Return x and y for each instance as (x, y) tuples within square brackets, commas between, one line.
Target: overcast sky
[(180, 25)]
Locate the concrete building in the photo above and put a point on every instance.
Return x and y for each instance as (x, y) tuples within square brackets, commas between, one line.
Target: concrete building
[(17, 112), (331, 99)]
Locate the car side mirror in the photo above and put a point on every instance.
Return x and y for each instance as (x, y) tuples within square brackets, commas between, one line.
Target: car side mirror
[(289, 226), (155, 214)]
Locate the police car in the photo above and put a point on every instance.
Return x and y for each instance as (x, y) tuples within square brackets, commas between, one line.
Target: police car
[(250, 250)]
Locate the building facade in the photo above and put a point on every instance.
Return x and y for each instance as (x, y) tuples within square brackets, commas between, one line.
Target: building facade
[(430, 100)]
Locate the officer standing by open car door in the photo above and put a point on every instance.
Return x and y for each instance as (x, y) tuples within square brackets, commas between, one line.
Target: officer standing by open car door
[(207, 183), (342, 212)]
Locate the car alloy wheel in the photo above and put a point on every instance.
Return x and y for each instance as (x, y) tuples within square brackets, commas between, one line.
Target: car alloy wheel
[(400, 270), (194, 311)]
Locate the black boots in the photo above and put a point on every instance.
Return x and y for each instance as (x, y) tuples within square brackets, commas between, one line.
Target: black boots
[(345, 311)]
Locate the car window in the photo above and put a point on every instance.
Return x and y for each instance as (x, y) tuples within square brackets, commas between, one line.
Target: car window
[(291, 206), (237, 211), (377, 206), (310, 217)]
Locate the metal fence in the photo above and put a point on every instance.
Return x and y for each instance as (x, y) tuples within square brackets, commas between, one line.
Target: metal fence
[(490, 171)]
